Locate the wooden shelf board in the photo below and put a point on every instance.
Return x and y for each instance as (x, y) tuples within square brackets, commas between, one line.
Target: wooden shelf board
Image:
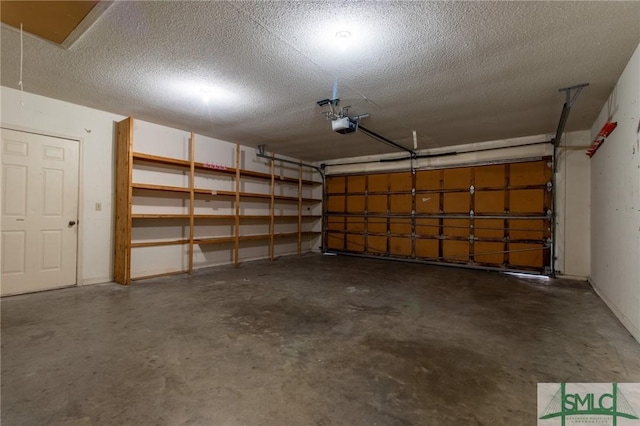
[(160, 243), (254, 237), (257, 175), (204, 167), (213, 216), (159, 216), (165, 188), (230, 216), (215, 240), (140, 156)]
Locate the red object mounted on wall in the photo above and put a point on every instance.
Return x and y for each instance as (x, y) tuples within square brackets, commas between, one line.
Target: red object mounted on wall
[(606, 130)]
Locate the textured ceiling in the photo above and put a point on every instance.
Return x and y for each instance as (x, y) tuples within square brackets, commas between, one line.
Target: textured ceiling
[(456, 72)]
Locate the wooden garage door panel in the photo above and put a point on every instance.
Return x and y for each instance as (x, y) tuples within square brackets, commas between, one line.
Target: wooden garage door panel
[(537, 229), (457, 202), (356, 184), (488, 228), (400, 181), (455, 227), (376, 225), (355, 243), (530, 173), (490, 176), (335, 203), (426, 248), (336, 184), (400, 246), (428, 203), (335, 241), (355, 224), (489, 202), (516, 189), (400, 203), (527, 255), (355, 204), (455, 251), (376, 244), (488, 253), (459, 178), (377, 203), (527, 201), (428, 227), (428, 180), (335, 223), (378, 182), (400, 226)]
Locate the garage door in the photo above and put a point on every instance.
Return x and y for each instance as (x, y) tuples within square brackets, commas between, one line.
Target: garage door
[(486, 216)]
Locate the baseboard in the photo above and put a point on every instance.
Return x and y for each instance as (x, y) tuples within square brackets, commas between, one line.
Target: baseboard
[(96, 280), (572, 277), (635, 331)]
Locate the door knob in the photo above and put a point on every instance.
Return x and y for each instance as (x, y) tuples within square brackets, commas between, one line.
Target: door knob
[(72, 222)]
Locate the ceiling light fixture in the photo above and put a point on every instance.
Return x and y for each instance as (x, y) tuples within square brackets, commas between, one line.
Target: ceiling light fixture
[(205, 95), (343, 39)]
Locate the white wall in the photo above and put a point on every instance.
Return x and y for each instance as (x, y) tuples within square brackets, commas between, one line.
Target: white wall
[(95, 130), (615, 200), (573, 206), (572, 184)]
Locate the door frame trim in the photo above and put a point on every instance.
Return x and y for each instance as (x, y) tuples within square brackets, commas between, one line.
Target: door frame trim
[(80, 234)]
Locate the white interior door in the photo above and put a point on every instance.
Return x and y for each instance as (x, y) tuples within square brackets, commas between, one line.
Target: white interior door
[(39, 212)]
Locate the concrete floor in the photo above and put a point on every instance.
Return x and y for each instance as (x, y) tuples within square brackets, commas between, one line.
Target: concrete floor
[(317, 340)]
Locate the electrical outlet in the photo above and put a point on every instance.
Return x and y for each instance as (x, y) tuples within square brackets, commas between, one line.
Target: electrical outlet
[(98, 207)]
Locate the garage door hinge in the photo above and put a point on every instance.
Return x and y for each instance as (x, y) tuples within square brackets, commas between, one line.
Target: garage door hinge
[(549, 186), (471, 212), (472, 189), (413, 191), (549, 213)]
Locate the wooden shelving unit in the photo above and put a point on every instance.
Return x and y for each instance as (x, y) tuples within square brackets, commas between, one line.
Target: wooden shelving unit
[(128, 220)]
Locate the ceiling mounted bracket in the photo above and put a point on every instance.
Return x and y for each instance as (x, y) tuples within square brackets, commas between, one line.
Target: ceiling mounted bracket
[(567, 90), (569, 101)]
